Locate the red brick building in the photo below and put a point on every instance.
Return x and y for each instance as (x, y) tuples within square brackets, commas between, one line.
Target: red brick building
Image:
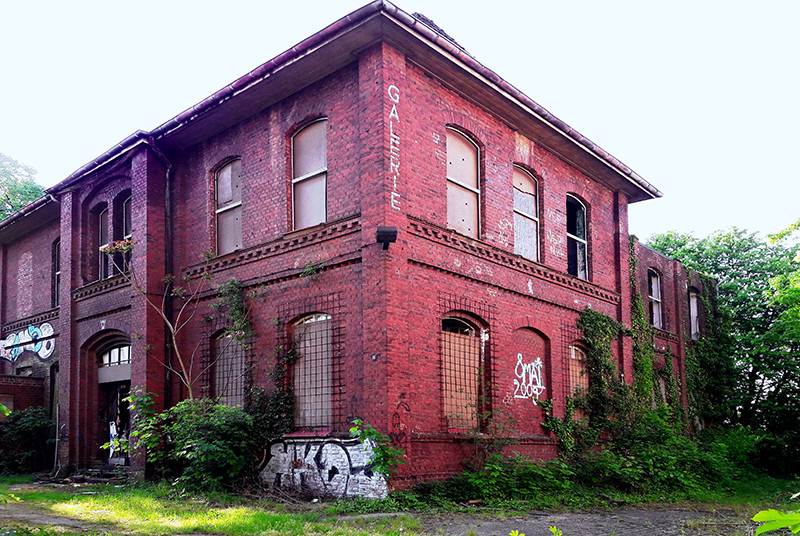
[(422, 233)]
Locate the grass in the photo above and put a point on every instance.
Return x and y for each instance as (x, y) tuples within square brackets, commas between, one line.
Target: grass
[(159, 510)]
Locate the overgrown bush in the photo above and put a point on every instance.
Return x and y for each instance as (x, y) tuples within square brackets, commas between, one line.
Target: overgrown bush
[(197, 442), (25, 445)]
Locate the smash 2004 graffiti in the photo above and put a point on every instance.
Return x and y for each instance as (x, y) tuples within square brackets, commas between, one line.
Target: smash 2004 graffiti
[(37, 339)]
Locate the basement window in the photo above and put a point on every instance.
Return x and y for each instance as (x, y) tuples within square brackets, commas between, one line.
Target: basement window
[(229, 368), (577, 264), (229, 207), (578, 377), (654, 297), (463, 187), (461, 365), (526, 219), (312, 371), (310, 175)]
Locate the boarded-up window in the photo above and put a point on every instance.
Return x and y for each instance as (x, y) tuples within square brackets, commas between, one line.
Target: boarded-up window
[(102, 241), (694, 314), (654, 291), (229, 207), (463, 188), (56, 269), (578, 376), (312, 373), (229, 366), (526, 219), (461, 365), (576, 238), (310, 175)]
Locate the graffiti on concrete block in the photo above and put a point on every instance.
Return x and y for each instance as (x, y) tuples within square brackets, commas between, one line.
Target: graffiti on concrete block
[(529, 382), (37, 339), (323, 467)]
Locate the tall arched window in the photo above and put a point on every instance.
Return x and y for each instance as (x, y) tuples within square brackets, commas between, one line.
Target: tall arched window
[(577, 262), (526, 214), (312, 372), (462, 352), (463, 184), (654, 298), (310, 175), (228, 189), (229, 368)]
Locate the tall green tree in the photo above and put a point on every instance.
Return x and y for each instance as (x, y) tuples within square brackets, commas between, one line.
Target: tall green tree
[(759, 287), (17, 186)]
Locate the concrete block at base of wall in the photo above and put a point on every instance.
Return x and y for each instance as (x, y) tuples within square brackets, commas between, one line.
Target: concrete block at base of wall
[(324, 468)]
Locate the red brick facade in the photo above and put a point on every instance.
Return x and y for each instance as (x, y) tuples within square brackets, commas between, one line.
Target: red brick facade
[(391, 92)]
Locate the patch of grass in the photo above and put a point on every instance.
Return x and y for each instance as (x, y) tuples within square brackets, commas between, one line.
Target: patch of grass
[(161, 510)]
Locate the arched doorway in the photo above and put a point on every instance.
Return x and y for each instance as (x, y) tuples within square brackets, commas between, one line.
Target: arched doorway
[(114, 379)]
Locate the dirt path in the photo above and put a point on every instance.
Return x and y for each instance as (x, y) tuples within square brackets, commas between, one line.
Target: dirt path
[(618, 522)]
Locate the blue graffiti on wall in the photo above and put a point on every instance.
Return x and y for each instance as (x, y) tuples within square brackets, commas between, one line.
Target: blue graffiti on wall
[(37, 339)]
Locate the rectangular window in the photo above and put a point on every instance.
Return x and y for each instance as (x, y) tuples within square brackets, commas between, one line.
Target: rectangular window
[(102, 240), (229, 207), (463, 187), (229, 369), (56, 278), (654, 290), (310, 175), (312, 372), (694, 315), (577, 263)]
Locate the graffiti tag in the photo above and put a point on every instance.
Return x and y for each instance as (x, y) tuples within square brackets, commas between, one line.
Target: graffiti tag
[(323, 467), (529, 382)]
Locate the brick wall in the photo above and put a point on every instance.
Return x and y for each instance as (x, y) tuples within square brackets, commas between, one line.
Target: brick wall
[(26, 392)]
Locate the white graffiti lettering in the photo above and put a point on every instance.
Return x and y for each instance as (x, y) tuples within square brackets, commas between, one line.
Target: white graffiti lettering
[(394, 145), (323, 467), (530, 383), (37, 339)]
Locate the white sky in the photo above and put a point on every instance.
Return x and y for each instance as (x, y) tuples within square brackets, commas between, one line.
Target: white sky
[(701, 98)]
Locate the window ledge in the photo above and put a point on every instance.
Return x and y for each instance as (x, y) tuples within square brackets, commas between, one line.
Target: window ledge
[(300, 434)]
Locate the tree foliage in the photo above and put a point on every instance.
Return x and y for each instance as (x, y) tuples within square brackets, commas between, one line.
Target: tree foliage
[(759, 288), (17, 186)]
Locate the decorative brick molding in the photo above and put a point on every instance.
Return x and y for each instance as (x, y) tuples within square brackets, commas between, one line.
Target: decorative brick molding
[(99, 287), (451, 239), (36, 319)]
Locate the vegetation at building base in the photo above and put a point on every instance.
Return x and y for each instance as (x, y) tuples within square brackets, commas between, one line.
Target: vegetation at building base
[(25, 441), (759, 328)]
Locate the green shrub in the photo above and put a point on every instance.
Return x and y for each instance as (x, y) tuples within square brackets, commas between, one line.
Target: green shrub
[(25, 445), (200, 443)]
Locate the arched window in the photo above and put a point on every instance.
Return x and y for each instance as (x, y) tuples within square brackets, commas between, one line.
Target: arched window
[(117, 355), (694, 313), (312, 372), (229, 368), (654, 298), (577, 263), (310, 175), (578, 376), (462, 352), (228, 190), (463, 184), (526, 215)]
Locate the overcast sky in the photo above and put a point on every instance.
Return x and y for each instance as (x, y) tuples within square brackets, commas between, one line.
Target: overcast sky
[(701, 98)]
